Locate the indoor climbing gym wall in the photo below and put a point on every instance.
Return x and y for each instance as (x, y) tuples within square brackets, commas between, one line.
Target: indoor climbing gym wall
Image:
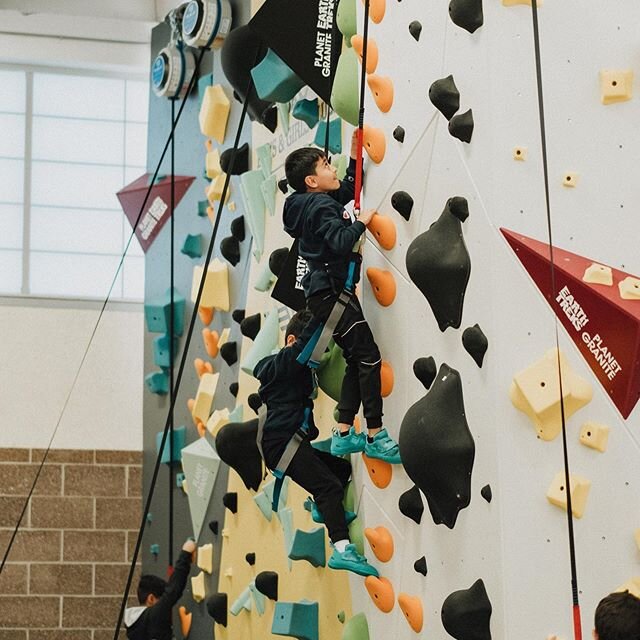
[(500, 274)]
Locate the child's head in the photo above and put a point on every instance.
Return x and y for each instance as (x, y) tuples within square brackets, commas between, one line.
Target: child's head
[(308, 169), (150, 589), (295, 326), (618, 617)]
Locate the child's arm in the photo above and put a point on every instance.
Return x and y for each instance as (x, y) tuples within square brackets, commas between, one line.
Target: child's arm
[(340, 239), (177, 581), (347, 190)]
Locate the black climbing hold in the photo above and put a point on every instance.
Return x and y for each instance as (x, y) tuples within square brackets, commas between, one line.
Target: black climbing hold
[(230, 250), (250, 558), (213, 525), (402, 202), (270, 118), (230, 501), (250, 326), (236, 446), (229, 353), (254, 401), (217, 607), (233, 389), (486, 493), (437, 448), (237, 228), (425, 370), (445, 96), (267, 583), (283, 185), (398, 133), (241, 163), (238, 315), (475, 343), (415, 29), (410, 504), (466, 14), (421, 566), (461, 126), (277, 260), (466, 613), (438, 264)]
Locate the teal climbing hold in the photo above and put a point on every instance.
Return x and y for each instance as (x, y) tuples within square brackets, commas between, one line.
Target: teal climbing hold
[(264, 504), (154, 549), (296, 619), (344, 93), (203, 205), (179, 442), (309, 546), (157, 314), (335, 135), (286, 520), (356, 628), (243, 601), (274, 80), (161, 355), (307, 111), (157, 382), (346, 20), (284, 491), (192, 246), (180, 478), (258, 597)]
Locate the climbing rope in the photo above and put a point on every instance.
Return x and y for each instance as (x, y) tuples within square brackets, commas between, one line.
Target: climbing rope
[(577, 625)]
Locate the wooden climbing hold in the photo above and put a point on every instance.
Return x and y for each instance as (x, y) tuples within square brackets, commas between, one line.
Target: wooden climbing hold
[(374, 143), (382, 90), (206, 315), (185, 621), (210, 339), (381, 542), (383, 285), (383, 230), (386, 379), (202, 367), (357, 42), (376, 10), (381, 592), (412, 608), (379, 471)]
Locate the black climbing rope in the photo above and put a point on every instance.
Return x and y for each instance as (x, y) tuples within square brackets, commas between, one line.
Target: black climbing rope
[(363, 80), (577, 625), (97, 323)]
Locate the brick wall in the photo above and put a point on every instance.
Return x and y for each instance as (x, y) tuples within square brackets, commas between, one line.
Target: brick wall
[(70, 560)]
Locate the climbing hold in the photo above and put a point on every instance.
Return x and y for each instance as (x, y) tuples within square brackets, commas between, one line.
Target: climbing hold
[(383, 230), (181, 480), (520, 153), (341, 616), (398, 133), (206, 315), (309, 546), (212, 162), (307, 111), (296, 619), (331, 371), (402, 202), (250, 187), (198, 589), (161, 355), (230, 250), (344, 92), (264, 159), (376, 10), (438, 264), (215, 292), (466, 613), (277, 260), (557, 494), (210, 339), (268, 188), (241, 162), (415, 29), (411, 606), (265, 342), (356, 535), (205, 558), (356, 628), (383, 285), (179, 440), (461, 126), (185, 621), (214, 193), (595, 436), (213, 525), (204, 396), (243, 601), (475, 343), (202, 208), (250, 558), (233, 389), (570, 179), (346, 19), (615, 86), (217, 608), (283, 185), (598, 274), (629, 288), (437, 448), (236, 446), (420, 566), (381, 592), (466, 14), (154, 550), (237, 228), (265, 280), (357, 42), (425, 370), (374, 143), (380, 472), (258, 597), (274, 80), (229, 353), (486, 492), (381, 542), (445, 96), (386, 379), (267, 583), (214, 113), (157, 313), (254, 402), (250, 326), (238, 315), (192, 246), (410, 504), (382, 90), (217, 420), (335, 135), (230, 501)]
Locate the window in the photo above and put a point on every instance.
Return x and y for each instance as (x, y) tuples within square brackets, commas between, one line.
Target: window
[(68, 143)]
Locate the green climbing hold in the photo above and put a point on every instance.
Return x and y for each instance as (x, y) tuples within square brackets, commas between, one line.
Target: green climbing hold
[(341, 616), (347, 20), (356, 628), (331, 371), (356, 535), (344, 93)]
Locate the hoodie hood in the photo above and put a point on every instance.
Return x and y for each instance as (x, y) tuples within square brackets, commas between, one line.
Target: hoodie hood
[(132, 614), (293, 213)]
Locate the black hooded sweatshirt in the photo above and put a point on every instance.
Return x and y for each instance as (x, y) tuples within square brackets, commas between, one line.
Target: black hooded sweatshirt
[(155, 623), (326, 233)]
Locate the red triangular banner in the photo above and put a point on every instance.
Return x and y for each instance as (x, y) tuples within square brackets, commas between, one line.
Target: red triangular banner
[(157, 210), (604, 326)]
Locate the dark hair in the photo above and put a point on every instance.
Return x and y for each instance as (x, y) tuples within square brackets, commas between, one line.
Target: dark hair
[(300, 164), (150, 584), (298, 322), (618, 617)]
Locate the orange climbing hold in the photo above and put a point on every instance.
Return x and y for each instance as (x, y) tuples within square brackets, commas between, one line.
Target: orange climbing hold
[(185, 621), (357, 42), (210, 339), (202, 367), (382, 90), (412, 608), (376, 10), (381, 592), (374, 143), (379, 471), (201, 427), (381, 542), (383, 229), (386, 379), (383, 285), (206, 315)]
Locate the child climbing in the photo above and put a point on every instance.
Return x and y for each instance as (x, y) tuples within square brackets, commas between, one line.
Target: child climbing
[(152, 620), (328, 233), (285, 389)]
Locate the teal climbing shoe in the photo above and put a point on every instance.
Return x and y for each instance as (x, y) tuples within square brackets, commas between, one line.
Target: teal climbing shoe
[(383, 448), (316, 516), (351, 560), (352, 443)]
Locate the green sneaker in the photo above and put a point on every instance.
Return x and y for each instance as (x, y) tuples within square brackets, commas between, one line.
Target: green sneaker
[(383, 448), (351, 560), (316, 516), (351, 443)]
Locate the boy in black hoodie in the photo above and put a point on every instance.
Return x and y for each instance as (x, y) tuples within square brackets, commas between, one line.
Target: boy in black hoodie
[(286, 387), (328, 233), (152, 620)]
